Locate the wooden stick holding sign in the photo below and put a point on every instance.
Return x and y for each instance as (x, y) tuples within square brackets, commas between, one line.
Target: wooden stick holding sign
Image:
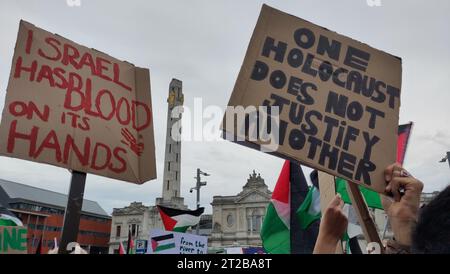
[(365, 220), (73, 211), (327, 189)]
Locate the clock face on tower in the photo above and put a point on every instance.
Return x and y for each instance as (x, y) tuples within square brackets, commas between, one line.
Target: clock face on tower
[(171, 99)]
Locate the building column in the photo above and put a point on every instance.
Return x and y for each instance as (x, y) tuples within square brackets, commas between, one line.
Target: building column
[(251, 225)]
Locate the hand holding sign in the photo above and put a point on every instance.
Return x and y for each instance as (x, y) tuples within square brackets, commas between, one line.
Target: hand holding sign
[(403, 209)]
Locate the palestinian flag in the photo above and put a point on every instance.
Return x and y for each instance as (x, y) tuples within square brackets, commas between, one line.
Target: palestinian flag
[(121, 249), (275, 232), (350, 237), (309, 211), (8, 219), (372, 198), (163, 242), (404, 132), (179, 220), (130, 243)]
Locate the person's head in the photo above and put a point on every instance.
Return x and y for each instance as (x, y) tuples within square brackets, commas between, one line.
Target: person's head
[(432, 233)]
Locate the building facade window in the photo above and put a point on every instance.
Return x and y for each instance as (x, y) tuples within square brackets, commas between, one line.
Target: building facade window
[(230, 220), (134, 228), (118, 228), (254, 222)]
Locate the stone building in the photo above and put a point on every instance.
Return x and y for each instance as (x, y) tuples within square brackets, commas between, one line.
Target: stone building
[(237, 220), (137, 218)]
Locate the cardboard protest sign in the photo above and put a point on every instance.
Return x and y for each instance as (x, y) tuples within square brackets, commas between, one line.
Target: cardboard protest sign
[(168, 242), (13, 240), (338, 99), (77, 108)]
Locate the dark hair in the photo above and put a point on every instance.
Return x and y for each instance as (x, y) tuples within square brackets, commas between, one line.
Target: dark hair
[(432, 233)]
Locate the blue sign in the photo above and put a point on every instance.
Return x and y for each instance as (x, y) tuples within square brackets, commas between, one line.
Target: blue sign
[(141, 246)]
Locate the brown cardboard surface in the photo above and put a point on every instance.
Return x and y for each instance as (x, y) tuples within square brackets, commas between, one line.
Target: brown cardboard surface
[(77, 108), (322, 111), (13, 240), (327, 190)]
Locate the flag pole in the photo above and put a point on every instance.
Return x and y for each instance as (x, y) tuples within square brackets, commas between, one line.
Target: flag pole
[(365, 220), (73, 211), (300, 240)]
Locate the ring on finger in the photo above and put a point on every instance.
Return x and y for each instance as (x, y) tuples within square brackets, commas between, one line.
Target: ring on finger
[(404, 173)]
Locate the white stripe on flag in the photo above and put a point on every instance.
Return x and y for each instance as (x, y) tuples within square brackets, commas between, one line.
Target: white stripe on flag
[(186, 220), (314, 209)]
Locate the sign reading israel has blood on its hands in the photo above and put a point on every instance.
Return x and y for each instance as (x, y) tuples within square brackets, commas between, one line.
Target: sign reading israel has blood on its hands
[(77, 108)]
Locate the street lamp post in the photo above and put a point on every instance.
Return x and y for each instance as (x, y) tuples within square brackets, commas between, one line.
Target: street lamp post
[(197, 187)]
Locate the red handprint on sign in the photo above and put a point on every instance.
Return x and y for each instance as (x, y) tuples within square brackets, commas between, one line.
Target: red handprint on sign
[(131, 142)]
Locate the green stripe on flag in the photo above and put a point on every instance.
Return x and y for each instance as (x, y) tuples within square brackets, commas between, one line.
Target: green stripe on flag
[(181, 229), (164, 247), (309, 211), (274, 233), (372, 198)]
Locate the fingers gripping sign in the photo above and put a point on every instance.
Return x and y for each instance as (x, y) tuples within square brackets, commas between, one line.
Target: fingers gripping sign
[(402, 201), (400, 183)]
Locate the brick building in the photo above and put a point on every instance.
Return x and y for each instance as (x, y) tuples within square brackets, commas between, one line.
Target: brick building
[(42, 211)]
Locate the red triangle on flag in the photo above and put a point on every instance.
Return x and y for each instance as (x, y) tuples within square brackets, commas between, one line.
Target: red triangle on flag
[(281, 192), (168, 222), (154, 245), (121, 249)]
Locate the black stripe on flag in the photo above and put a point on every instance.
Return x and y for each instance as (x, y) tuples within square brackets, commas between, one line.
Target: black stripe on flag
[(162, 237), (175, 212), (402, 129)]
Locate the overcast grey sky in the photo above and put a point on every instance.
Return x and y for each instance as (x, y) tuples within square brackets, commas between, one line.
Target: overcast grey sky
[(203, 43)]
